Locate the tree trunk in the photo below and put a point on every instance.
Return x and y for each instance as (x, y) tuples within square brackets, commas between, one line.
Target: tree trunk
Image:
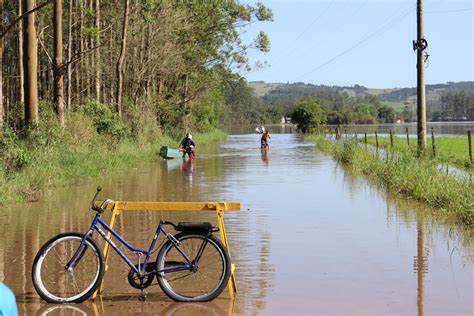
[(121, 59), (20, 57), (97, 52), (58, 97), (87, 57), (30, 61), (81, 68), (1, 66), (69, 56)]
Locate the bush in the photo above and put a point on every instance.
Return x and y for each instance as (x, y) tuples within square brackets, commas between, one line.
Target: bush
[(308, 115), (14, 153), (106, 121)]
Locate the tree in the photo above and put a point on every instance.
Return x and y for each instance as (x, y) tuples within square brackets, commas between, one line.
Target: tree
[(1, 64), (58, 97), (119, 70), (386, 114), (308, 115), (30, 58)]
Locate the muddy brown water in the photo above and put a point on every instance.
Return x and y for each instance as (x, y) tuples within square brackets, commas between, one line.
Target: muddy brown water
[(311, 238)]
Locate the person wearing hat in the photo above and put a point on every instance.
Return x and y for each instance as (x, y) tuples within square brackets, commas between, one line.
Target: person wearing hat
[(187, 146)]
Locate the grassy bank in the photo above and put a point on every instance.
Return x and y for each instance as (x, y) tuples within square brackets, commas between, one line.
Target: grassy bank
[(449, 150), (413, 177), (86, 149)]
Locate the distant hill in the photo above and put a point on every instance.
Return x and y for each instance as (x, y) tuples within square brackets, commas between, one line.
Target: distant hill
[(397, 98), (261, 88)]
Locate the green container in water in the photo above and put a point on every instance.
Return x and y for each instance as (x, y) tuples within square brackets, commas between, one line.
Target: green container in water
[(169, 153)]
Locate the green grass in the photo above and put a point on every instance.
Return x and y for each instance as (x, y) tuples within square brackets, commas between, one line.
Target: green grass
[(449, 150), (74, 155), (402, 173)]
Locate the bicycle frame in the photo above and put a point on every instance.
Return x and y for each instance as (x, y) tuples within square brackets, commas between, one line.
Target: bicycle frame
[(98, 221)]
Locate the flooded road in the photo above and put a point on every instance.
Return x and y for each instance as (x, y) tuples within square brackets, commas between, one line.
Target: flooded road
[(310, 239)]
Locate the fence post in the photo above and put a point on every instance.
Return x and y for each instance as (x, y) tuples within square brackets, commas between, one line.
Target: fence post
[(408, 138), (391, 138), (470, 145), (376, 141), (365, 139), (433, 142)]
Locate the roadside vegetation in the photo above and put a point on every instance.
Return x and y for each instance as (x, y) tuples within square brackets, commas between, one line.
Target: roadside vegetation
[(448, 150), (402, 172), (88, 89), (94, 145)]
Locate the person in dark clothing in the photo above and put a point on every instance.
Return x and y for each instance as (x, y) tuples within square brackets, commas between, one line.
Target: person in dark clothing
[(187, 146), (264, 140)]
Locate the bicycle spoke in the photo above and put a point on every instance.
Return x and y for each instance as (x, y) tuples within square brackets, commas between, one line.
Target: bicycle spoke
[(57, 284), (210, 274)]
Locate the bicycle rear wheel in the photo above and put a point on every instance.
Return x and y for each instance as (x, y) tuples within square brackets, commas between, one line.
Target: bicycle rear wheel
[(56, 284), (203, 283)]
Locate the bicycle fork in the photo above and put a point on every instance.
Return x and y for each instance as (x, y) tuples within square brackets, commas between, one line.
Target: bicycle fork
[(81, 250)]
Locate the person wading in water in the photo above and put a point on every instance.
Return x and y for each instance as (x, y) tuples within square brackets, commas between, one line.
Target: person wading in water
[(187, 146), (264, 140)]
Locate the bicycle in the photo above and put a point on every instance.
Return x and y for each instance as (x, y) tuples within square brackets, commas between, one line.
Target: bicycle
[(191, 266)]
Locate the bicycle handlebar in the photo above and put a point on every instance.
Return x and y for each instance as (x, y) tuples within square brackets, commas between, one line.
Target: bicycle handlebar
[(99, 208)]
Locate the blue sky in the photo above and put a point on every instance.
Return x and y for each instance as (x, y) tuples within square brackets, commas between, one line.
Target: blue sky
[(365, 42)]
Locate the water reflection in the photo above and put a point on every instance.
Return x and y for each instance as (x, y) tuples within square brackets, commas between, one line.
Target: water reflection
[(67, 309), (264, 153), (120, 306), (312, 238), (420, 267)]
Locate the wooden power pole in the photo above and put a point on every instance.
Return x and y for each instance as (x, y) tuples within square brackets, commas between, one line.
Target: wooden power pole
[(420, 45)]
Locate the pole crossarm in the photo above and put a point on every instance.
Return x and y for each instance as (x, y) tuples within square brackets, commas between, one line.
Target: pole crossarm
[(219, 207)]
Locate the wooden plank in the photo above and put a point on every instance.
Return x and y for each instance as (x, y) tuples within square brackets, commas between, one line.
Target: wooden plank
[(173, 206)]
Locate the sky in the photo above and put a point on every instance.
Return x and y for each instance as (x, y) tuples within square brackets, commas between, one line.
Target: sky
[(365, 42)]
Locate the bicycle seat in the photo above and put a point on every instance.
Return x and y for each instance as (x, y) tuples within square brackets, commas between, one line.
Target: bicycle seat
[(193, 226)]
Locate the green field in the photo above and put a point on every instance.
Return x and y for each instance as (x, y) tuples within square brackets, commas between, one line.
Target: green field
[(450, 150), (261, 88)]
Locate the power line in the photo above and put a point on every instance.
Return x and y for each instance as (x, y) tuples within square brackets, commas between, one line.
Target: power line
[(378, 32), (450, 11), (313, 22), (324, 39)]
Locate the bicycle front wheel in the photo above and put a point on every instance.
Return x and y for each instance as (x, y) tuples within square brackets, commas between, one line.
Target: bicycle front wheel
[(203, 282), (56, 284)]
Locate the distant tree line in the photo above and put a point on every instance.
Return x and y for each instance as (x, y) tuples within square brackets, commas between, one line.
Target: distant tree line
[(455, 106), (358, 105), (338, 106)]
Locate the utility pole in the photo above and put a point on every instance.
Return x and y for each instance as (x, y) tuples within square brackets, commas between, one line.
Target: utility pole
[(420, 45)]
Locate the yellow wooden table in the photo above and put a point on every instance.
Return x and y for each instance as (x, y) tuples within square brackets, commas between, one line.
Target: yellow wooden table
[(219, 207)]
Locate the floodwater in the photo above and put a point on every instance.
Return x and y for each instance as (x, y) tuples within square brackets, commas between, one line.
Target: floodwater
[(310, 239)]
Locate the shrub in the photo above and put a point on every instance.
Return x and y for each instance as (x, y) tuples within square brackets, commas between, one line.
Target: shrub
[(106, 121), (308, 115), (14, 153)]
